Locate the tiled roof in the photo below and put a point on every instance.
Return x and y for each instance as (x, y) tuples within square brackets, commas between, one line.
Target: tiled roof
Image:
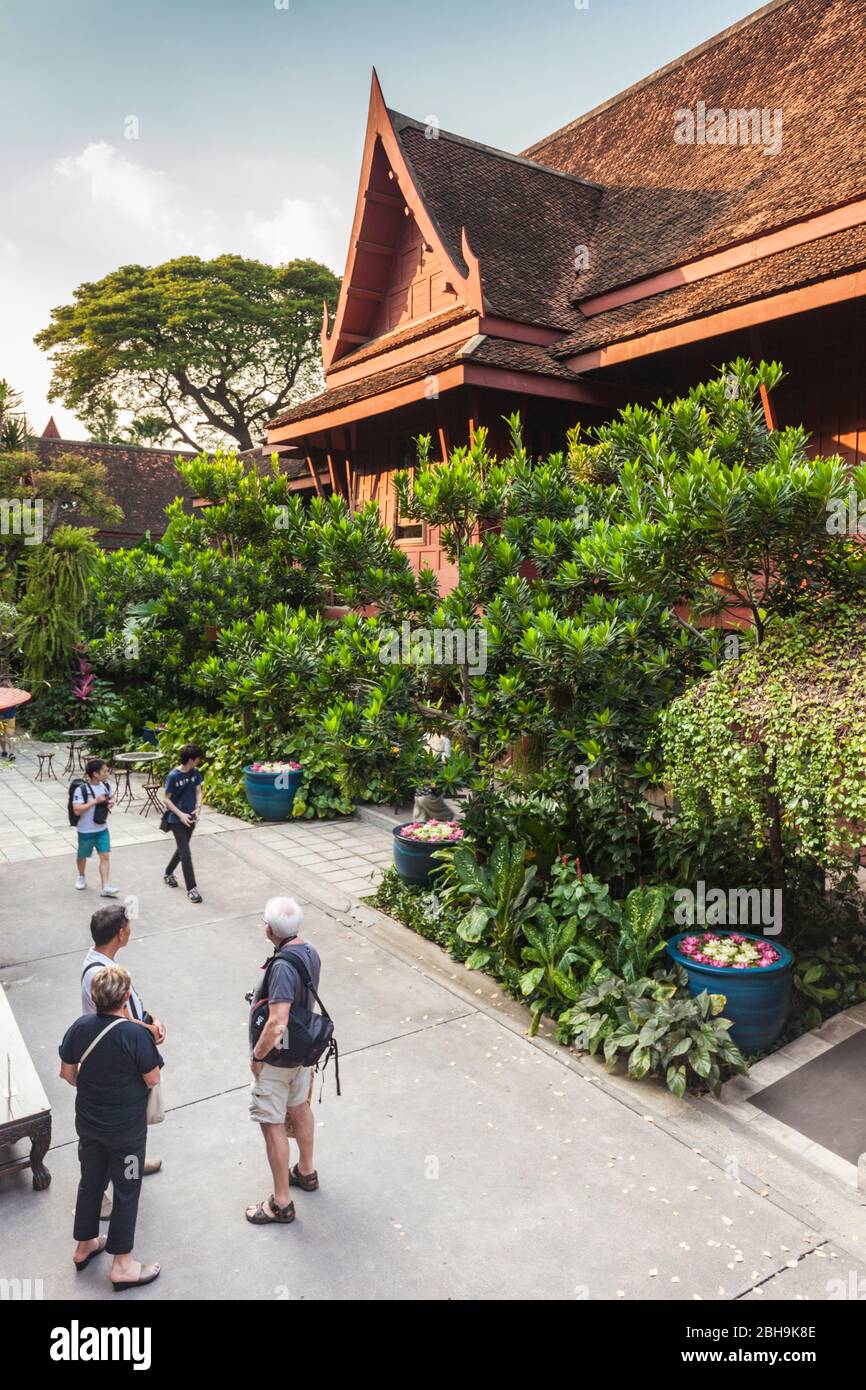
[(519, 357), (523, 220), (666, 203), (142, 482), (399, 337), (374, 385), (485, 351), (803, 265)]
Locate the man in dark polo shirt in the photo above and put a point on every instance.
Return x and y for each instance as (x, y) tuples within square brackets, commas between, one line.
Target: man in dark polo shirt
[(280, 1093)]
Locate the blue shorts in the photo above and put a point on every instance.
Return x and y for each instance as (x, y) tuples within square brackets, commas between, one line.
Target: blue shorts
[(99, 841)]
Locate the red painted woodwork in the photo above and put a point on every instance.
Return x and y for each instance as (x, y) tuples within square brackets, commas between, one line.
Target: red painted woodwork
[(416, 287)]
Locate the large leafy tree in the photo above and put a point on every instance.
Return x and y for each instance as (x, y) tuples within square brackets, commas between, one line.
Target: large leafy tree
[(215, 348)]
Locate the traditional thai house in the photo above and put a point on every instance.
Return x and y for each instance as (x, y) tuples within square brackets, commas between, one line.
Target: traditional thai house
[(715, 209)]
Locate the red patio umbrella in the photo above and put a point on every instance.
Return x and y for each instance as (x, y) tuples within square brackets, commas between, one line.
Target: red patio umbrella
[(10, 695)]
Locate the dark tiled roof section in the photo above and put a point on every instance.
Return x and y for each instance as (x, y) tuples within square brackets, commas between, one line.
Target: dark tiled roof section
[(818, 260), (522, 219), (490, 352), (667, 203), (401, 336), (519, 357), (374, 385), (142, 482)]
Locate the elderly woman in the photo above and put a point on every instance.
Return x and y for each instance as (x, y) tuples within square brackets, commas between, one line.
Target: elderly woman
[(112, 1063)]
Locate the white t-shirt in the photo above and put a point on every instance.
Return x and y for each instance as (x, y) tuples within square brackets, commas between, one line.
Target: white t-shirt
[(96, 958), (86, 824)]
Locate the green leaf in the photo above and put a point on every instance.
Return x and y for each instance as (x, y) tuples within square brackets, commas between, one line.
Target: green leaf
[(474, 925)]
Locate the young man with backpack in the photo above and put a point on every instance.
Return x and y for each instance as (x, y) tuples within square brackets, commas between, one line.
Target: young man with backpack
[(281, 1085), (89, 804)]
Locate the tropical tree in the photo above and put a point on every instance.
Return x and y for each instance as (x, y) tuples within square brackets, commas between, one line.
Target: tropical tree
[(215, 348), (148, 430), (47, 493), (57, 579), (14, 429)]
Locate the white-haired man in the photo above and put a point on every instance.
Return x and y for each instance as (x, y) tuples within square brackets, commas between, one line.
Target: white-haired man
[(280, 1093)]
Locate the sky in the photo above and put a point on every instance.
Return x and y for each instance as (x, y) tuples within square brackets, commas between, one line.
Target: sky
[(132, 131)]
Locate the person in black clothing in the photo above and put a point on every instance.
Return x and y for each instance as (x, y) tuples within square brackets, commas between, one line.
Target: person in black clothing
[(112, 1063), (182, 797)]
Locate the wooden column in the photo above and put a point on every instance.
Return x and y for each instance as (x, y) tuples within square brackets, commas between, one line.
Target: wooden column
[(758, 353), (314, 474), (330, 458)]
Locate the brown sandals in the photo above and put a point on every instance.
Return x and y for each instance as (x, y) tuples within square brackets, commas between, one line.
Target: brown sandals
[(282, 1216), (308, 1182)]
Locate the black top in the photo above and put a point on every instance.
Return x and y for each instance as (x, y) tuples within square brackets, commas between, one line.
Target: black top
[(181, 788), (111, 1096)]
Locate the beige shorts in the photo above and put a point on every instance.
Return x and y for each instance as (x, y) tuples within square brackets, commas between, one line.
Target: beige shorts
[(275, 1089)]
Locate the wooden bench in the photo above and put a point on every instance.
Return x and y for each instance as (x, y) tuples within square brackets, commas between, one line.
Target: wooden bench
[(24, 1109)]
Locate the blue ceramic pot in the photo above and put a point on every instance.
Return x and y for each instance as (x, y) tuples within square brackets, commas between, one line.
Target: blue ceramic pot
[(757, 1001), (413, 859), (271, 794)]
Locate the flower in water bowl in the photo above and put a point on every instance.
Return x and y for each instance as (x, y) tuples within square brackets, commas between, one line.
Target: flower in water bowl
[(440, 832), (275, 767), (734, 952)]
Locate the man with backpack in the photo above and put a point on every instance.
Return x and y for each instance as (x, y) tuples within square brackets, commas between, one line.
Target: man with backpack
[(89, 804), (286, 1041)]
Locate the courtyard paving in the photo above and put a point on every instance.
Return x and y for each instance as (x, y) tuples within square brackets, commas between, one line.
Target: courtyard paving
[(463, 1160), (34, 824)]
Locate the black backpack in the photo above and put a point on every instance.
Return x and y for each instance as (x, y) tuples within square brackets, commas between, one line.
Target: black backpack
[(310, 1036), (100, 814)]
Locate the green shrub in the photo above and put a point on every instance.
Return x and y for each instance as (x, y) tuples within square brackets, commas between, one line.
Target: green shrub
[(422, 909), (656, 1029)]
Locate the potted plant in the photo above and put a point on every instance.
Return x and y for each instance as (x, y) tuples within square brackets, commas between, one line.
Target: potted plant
[(270, 788), (752, 973), (151, 732), (416, 843)]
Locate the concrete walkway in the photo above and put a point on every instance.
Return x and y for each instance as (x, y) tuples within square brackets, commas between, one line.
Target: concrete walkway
[(463, 1161), (34, 825)]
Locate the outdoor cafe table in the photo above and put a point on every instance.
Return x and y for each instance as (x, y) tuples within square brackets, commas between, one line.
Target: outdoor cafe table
[(76, 736), (126, 762)]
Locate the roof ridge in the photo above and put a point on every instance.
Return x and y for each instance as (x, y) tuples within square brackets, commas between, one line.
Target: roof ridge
[(663, 71), (404, 121)]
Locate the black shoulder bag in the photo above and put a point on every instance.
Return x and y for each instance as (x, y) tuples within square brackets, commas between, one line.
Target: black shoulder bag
[(309, 1036)]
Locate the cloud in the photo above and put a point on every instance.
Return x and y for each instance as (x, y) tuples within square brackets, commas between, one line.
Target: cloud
[(118, 185), (299, 228), (116, 207)]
